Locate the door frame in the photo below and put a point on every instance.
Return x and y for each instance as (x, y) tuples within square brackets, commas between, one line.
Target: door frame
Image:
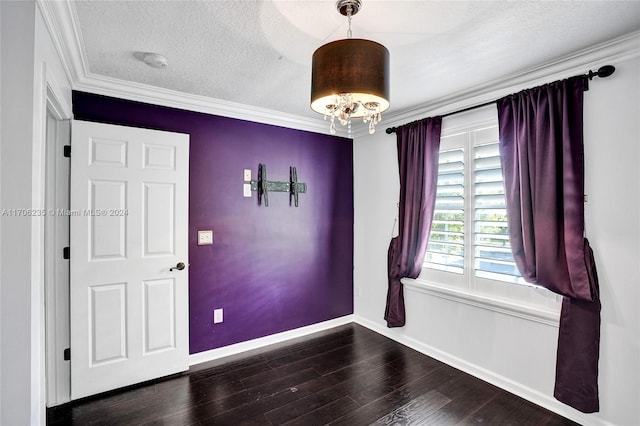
[(54, 295), (57, 376)]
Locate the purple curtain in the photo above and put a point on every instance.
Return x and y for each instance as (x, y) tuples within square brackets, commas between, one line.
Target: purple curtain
[(418, 148), (541, 147)]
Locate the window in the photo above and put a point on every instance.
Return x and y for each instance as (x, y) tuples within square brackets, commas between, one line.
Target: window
[(492, 256), (469, 248), (474, 165), (469, 228), (446, 241)]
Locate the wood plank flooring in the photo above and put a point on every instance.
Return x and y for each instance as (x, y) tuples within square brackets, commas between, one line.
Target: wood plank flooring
[(345, 376)]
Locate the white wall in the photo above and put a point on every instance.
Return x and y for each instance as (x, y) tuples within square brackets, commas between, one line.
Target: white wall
[(515, 353), (1, 206), (16, 150), (29, 63), (612, 215)]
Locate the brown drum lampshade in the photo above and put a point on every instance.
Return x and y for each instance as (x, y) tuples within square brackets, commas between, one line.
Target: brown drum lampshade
[(356, 66), (350, 77)]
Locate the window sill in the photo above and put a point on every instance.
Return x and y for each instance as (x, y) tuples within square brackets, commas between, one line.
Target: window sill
[(545, 316)]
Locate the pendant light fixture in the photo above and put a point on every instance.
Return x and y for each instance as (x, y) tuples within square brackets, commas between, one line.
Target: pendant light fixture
[(350, 77)]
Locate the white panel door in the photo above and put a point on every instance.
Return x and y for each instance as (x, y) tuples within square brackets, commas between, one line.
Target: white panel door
[(129, 228)]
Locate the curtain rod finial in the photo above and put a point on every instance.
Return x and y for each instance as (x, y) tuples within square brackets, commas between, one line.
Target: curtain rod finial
[(603, 71), (390, 130)]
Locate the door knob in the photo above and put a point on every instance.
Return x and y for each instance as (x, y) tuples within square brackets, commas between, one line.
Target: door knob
[(179, 267)]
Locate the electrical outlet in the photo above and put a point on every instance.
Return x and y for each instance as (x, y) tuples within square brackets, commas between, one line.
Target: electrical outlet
[(247, 175), (218, 316)]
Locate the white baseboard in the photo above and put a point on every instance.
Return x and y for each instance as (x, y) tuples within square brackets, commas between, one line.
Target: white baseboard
[(238, 348), (536, 397)]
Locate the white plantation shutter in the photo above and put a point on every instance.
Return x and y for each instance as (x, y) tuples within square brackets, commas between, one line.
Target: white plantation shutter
[(491, 249), (469, 227), (446, 242)]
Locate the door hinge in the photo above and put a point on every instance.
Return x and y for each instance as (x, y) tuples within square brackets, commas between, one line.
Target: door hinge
[(67, 354), (67, 151), (66, 253)]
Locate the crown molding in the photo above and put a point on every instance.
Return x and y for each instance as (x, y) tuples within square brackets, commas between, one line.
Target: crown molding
[(139, 92), (62, 22), (610, 52)]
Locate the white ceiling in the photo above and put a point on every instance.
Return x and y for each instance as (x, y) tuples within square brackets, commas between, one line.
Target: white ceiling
[(258, 53)]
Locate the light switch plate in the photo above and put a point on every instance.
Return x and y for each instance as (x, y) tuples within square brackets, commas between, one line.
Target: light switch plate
[(205, 237), (247, 175), (246, 190)]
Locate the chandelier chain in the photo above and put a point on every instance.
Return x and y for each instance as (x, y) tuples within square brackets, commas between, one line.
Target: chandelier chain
[(349, 13)]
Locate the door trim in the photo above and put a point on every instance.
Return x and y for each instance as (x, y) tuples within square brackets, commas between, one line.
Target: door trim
[(56, 315)]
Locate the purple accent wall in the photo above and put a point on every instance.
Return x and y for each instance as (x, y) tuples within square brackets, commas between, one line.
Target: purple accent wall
[(272, 268)]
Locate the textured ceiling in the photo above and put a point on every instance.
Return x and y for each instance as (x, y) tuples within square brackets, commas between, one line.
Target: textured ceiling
[(259, 52)]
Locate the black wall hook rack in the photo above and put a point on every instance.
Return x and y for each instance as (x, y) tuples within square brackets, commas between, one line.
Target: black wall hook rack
[(263, 186)]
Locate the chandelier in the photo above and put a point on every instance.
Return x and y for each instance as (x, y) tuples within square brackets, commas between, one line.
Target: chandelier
[(350, 77)]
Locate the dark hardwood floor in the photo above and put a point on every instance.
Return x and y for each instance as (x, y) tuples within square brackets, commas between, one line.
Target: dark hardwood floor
[(345, 376)]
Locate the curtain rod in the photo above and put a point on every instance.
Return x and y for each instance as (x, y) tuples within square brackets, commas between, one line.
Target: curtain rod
[(603, 71)]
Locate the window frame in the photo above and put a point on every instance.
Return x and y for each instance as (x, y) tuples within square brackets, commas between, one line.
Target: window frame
[(526, 301)]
